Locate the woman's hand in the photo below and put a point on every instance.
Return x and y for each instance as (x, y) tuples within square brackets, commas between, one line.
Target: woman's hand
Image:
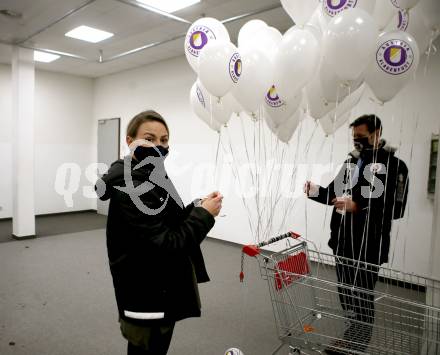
[(213, 203)]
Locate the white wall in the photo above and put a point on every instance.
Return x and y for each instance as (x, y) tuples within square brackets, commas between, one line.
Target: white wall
[(165, 87), (63, 133)]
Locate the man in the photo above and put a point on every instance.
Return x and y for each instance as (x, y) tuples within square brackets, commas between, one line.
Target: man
[(367, 194)]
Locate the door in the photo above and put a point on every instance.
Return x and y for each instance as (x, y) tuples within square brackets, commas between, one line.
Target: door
[(108, 149)]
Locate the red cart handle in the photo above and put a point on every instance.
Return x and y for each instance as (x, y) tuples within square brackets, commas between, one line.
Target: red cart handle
[(254, 249)]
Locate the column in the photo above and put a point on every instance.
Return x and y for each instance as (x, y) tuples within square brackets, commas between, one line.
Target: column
[(23, 84)]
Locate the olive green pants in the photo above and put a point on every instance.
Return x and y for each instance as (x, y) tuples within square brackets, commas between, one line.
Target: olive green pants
[(154, 340)]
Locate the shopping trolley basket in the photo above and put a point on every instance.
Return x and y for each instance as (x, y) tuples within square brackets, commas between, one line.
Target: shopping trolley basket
[(315, 313)]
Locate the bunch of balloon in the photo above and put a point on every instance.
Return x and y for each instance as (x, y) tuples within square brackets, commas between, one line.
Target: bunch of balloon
[(333, 48), (218, 65)]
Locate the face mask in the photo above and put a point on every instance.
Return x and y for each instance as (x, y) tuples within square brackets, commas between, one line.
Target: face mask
[(361, 144), (158, 151)]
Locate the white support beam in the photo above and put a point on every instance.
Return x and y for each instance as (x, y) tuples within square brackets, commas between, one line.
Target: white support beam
[(23, 86)]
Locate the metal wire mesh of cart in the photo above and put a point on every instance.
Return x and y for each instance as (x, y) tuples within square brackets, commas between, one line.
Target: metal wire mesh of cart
[(336, 305)]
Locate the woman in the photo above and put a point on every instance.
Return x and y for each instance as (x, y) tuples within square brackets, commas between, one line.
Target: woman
[(153, 242)]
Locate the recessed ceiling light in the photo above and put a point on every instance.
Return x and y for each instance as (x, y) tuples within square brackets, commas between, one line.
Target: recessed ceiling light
[(89, 34), (169, 5), (44, 57)]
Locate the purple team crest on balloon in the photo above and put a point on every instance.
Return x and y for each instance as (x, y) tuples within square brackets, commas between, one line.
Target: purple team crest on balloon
[(197, 38), (403, 18), (200, 96), (334, 7), (235, 67), (395, 56), (272, 98), (395, 3)]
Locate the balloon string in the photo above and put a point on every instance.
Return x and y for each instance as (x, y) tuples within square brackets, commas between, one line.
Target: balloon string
[(395, 192), (431, 48), (236, 174), (405, 187), (216, 157)]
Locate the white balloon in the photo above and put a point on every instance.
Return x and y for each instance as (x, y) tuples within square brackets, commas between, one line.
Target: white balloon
[(384, 11), (333, 88), (198, 104), (314, 25), (231, 102), (233, 351), (300, 10), (349, 43), (430, 12), (318, 106), (219, 67), (278, 109), (330, 123), (349, 102), (268, 39), (200, 33), (216, 108), (254, 80), (272, 126), (247, 32), (412, 23), (397, 59), (297, 61), (287, 129), (404, 4), (331, 8)]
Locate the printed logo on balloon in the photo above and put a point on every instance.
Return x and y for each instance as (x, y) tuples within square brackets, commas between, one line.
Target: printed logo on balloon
[(395, 3), (395, 57), (334, 7), (272, 98), (198, 38), (235, 67), (403, 19), (200, 96)]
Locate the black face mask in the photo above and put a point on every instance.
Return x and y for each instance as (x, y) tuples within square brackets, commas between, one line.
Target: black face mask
[(361, 144), (158, 151)]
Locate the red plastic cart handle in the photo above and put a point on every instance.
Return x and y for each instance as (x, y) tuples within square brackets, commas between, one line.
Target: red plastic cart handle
[(253, 250)]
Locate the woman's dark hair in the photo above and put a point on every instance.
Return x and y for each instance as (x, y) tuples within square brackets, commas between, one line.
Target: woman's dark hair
[(372, 121), (140, 118)]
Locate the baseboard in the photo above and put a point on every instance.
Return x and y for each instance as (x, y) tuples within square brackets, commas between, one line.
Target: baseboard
[(53, 214), (26, 237)]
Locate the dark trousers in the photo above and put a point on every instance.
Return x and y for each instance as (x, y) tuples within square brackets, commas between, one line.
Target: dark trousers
[(154, 340), (362, 277)]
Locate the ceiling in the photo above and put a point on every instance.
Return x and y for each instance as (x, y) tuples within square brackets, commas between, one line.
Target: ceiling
[(133, 27)]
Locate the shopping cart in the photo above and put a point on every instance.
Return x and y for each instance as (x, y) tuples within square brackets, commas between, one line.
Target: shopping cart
[(317, 314)]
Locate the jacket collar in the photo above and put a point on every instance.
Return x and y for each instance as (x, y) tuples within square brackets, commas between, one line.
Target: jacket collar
[(383, 147)]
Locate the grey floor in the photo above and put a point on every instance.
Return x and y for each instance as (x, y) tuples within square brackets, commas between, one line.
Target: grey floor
[(56, 298), (50, 225)]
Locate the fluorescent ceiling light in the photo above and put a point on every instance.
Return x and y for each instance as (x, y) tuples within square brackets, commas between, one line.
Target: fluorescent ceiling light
[(89, 34), (169, 5), (44, 57)]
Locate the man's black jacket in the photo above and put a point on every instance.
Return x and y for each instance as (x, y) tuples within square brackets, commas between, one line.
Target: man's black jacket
[(380, 192)]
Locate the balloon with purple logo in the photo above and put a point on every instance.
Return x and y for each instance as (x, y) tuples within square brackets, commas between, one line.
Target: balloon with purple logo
[(200, 33), (397, 59)]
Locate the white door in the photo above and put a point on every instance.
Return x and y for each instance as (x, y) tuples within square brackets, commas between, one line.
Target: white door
[(108, 149)]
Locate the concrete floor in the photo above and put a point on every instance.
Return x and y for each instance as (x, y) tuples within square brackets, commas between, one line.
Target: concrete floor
[(56, 298)]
